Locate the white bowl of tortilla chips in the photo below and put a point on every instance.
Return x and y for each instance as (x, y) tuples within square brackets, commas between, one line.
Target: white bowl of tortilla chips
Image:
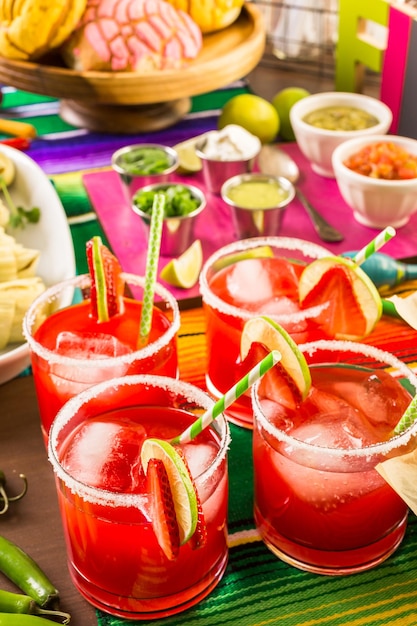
[(32, 256)]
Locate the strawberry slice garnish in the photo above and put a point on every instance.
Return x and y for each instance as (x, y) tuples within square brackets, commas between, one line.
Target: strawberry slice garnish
[(107, 285), (165, 523), (177, 513), (276, 384), (344, 311)]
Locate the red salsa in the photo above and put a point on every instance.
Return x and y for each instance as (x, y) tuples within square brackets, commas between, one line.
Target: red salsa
[(383, 160)]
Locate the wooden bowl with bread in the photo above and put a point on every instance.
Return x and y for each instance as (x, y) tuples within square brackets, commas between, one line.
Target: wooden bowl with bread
[(151, 92)]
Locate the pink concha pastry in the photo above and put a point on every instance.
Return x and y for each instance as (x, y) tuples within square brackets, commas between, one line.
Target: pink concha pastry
[(132, 35)]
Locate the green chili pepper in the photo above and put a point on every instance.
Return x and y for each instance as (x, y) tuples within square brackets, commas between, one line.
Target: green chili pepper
[(4, 495), (10, 619), (22, 570), (18, 603)]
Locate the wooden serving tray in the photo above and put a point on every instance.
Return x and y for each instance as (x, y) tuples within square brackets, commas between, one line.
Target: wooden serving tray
[(125, 101)]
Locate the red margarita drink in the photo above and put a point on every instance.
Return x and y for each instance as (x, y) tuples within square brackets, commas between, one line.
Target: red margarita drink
[(113, 515), (320, 504), (71, 350), (257, 276)]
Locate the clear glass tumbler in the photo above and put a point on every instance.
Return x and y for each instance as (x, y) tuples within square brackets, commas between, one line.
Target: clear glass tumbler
[(71, 351), (251, 277), (110, 511), (320, 504)]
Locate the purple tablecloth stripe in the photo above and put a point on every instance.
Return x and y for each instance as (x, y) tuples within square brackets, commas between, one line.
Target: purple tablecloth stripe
[(79, 150)]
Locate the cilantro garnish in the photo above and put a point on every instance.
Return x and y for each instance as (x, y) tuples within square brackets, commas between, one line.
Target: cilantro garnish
[(19, 216)]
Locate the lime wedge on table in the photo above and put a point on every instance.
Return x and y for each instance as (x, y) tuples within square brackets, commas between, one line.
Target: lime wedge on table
[(184, 270), (189, 162), (267, 332), (355, 305), (182, 488)]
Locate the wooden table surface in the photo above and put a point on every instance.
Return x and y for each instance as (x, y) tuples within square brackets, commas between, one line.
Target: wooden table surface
[(34, 522)]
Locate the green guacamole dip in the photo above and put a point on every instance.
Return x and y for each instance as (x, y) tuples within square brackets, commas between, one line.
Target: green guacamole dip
[(340, 118)]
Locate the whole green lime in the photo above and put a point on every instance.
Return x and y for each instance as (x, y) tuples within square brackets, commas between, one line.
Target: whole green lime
[(283, 101), (253, 113)]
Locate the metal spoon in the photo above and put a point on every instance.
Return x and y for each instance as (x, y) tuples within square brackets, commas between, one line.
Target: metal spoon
[(272, 160)]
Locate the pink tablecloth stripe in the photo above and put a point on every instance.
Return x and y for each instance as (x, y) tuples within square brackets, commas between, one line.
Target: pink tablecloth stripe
[(395, 62), (127, 235)]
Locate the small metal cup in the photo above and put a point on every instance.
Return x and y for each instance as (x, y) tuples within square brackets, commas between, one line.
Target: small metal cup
[(216, 171), (257, 222), (177, 232), (132, 182)]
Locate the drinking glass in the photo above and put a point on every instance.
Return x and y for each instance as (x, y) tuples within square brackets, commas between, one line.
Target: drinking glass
[(108, 508), (320, 503), (237, 284), (70, 350)]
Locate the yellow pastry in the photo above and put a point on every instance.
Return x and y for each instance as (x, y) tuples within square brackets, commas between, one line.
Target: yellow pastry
[(30, 28)]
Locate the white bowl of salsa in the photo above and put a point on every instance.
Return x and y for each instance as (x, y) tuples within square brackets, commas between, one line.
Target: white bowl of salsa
[(377, 178), (322, 121)]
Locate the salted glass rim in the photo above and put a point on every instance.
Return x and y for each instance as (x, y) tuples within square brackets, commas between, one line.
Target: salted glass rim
[(308, 248), (105, 497), (367, 451), (81, 281)]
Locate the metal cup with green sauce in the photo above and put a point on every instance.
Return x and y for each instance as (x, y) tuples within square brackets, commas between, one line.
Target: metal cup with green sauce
[(257, 203)]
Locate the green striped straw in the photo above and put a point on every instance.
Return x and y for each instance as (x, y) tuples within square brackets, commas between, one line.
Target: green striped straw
[(154, 245), (380, 240), (374, 245), (229, 397), (408, 418)]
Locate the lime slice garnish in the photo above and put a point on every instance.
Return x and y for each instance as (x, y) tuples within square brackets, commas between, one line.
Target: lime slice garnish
[(100, 280), (318, 284), (185, 270), (235, 257), (182, 488), (189, 162), (267, 332)]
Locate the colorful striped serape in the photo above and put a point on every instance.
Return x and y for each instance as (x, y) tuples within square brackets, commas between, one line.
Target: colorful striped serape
[(257, 589)]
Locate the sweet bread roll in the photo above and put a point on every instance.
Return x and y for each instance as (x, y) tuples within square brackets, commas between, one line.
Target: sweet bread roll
[(31, 28), (132, 35), (211, 15)]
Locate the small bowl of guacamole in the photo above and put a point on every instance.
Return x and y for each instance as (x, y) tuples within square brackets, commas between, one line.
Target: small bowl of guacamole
[(322, 121), (257, 202)]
